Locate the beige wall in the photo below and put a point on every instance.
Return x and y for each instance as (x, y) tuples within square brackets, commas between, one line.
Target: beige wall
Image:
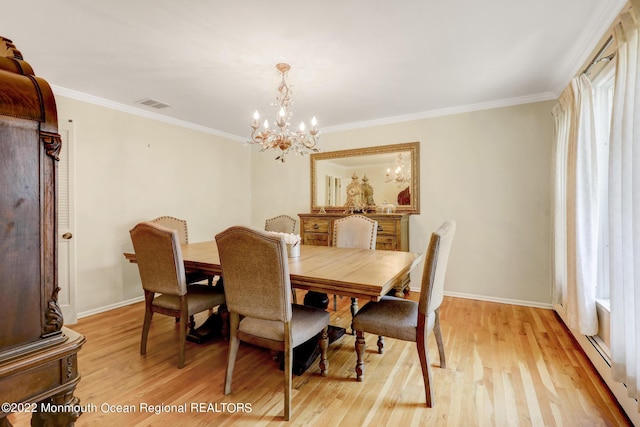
[(129, 169), (489, 170)]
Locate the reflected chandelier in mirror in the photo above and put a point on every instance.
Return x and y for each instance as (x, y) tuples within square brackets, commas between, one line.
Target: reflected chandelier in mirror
[(370, 179)]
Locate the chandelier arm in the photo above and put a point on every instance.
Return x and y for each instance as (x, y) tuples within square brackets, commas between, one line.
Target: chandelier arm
[(310, 142), (258, 137)]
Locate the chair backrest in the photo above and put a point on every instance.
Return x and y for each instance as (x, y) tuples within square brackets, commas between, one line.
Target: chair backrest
[(255, 268), (180, 225), (159, 258), (355, 231), (435, 267), (281, 224)]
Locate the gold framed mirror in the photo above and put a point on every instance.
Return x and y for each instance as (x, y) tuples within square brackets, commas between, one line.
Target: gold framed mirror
[(390, 174)]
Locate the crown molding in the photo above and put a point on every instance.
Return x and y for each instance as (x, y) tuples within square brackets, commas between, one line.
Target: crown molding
[(79, 96), (500, 103), (508, 102)]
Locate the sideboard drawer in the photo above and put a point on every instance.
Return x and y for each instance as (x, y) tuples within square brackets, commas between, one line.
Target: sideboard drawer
[(315, 239), (387, 243), (387, 227), (317, 225)]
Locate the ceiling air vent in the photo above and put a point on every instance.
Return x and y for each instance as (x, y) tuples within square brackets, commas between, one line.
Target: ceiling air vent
[(154, 103)]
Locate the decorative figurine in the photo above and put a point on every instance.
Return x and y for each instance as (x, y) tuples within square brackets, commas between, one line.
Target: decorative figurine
[(354, 201), (367, 192)]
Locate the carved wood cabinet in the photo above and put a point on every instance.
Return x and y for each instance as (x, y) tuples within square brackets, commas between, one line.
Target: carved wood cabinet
[(393, 234), (38, 356)]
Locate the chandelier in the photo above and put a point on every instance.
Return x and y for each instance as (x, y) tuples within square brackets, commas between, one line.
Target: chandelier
[(281, 137), (399, 175)]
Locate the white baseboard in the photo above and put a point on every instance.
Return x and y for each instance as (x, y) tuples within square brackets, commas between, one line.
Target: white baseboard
[(110, 307), (494, 299)]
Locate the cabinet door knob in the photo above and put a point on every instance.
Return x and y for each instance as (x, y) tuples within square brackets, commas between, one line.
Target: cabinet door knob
[(67, 236), (379, 227), (315, 226)]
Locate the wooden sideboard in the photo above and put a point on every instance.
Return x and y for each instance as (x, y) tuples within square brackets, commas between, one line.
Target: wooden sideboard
[(38, 356), (393, 234)]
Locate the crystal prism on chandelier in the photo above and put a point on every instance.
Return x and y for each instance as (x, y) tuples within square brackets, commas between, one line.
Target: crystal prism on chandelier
[(281, 137)]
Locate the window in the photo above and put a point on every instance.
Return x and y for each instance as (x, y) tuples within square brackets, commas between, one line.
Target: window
[(603, 86)]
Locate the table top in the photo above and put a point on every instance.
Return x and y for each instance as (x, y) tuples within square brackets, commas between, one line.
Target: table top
[(356, 273)]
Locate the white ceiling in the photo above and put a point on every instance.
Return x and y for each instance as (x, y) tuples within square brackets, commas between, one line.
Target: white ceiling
[(352, 61)]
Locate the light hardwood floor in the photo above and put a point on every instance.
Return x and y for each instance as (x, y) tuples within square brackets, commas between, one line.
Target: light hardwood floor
[(506, 366)]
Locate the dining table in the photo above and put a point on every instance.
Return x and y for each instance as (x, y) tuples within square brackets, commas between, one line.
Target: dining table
[(360, 274), (363, 274)]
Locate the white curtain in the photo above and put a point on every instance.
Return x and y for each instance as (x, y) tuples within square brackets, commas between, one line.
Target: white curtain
[(576, 210), (624, 207), (562, 113)]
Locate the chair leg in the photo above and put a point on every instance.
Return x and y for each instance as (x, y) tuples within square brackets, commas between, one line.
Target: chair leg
[(148, 315), (323, 341), (288, 372), (438, 333), (423, 354), (183, 341), (380, 344), (234, 343), (360, 347), (183, 330)]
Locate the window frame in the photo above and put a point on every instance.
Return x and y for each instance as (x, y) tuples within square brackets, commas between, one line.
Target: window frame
[(603, 88)]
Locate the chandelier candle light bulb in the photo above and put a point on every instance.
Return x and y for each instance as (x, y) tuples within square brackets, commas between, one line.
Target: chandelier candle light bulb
[(284, 139)]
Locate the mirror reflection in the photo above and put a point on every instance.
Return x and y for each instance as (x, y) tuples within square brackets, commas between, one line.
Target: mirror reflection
[(374, 179)]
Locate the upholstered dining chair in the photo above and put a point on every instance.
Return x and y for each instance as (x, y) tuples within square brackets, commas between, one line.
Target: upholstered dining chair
[(159, 259), (409, 320), (180, 225), (258, 295), (281, 224), (354, 231)]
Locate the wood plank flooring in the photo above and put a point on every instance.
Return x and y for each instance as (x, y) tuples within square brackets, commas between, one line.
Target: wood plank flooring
[(506, 366)]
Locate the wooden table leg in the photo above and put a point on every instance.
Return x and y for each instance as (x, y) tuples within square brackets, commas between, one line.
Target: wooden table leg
[(354, 310)]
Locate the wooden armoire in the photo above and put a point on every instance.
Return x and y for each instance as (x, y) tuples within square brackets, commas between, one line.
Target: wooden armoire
[(38, 356)]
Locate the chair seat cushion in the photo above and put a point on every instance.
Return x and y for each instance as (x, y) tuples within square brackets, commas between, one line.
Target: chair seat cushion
[(306, 322), (198, 299), (390, 317)]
